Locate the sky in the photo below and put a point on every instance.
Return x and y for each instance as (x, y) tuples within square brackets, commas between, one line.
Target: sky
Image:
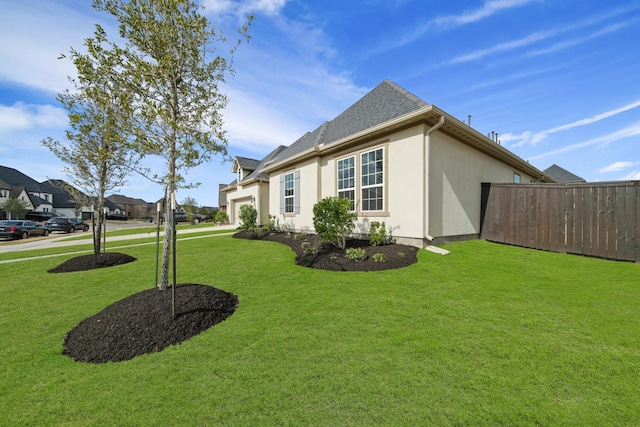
[(558, 81)]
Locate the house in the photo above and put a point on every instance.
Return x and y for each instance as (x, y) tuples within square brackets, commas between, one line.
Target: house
[(133, 208), (562, 175), (46, 196), (251, 186), (397, 158)]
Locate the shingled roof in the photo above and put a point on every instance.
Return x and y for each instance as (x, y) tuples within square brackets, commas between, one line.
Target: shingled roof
[(385, 102), (562, 175)]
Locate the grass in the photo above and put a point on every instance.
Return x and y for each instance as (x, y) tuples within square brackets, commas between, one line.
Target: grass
[(115, 245), (488, 335)]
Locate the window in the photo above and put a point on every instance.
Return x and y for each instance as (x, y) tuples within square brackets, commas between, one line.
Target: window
[(516, 178), (4, 193), (289, 193), (347, 180), (372, 170)]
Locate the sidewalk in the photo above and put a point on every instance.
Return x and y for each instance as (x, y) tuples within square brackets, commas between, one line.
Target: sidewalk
[(63, 241)]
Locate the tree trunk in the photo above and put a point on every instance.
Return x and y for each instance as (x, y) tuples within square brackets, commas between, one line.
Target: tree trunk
[(169, 222)]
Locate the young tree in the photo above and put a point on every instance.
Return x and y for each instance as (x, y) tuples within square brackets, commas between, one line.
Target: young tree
[(14, 206), (99, 155), (190, 205), (172, 69)]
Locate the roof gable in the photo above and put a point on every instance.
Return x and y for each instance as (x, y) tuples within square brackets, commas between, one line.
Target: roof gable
[(562, 175), (385, 102), (14, 177)]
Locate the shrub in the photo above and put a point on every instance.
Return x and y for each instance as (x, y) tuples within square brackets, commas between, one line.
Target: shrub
[(379, 257), (270, 226), (221, 218), (356, 254), (308, 249), (377, 234), (332, 220), (248, 217)]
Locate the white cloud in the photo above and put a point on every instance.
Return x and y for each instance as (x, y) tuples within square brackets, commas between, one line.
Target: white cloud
[(544, 35), (617, 166), (488, 9), (501, 47), (34, 41), (243, 7), (574, 42), (528, 137), (633, 176), (622, 134), (20, 116)]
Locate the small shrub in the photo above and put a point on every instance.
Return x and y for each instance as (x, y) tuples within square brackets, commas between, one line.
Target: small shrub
[(307, 249), (333, 257), (248, 217), (298, 236), (400, 254), (377, 234), (270, 226), (221, 218), (379, 257), (333, 221), (356, 254)]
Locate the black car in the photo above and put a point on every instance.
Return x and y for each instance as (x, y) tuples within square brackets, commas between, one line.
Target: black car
[(66, 225), (40, 216), (117, 216), (184, 217), (21, 229)]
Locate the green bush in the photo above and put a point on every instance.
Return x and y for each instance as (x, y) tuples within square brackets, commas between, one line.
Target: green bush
[(356, 254), (248, 217), (221, 218), (377, 234), (332, 220)]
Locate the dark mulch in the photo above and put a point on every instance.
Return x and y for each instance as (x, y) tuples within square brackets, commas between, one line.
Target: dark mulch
[(142, 323), (88, 262), (329, 257)]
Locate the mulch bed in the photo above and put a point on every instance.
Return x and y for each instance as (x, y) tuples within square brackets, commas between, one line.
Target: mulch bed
[(91, 262), (142, 323), (326, 256)]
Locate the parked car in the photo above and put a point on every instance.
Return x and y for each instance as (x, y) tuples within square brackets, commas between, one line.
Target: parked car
[(40, 216), (79, 224), (184, 217), (117, 216), (66, 225), (21, 229)]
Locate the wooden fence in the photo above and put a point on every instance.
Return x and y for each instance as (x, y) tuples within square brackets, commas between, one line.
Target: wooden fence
[(594, 219)]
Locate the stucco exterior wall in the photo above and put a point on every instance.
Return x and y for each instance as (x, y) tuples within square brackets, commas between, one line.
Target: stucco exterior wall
[(456, 172), (435, 193)]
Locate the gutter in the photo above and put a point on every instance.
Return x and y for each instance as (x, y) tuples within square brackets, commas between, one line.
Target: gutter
[(425, 181)]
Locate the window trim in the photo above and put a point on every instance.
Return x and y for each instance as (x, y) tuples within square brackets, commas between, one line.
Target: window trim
[(289, 178), (353, 188), (384, 146)]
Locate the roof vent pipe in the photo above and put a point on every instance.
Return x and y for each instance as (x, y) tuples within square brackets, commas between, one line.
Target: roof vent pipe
[(469, 120)]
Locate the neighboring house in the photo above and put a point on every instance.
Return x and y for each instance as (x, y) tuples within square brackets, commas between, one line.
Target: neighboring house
[(47, 196), (133, 208), (222, 197), (562, 175), (397, 158), (251, 186)]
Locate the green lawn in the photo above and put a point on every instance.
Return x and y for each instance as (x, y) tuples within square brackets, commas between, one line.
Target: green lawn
[(488, 335)]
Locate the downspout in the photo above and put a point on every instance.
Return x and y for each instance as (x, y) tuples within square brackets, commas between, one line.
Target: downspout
[(425, 180)]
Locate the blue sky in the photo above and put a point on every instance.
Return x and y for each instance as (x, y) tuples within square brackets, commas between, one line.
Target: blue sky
[(559, 81)]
